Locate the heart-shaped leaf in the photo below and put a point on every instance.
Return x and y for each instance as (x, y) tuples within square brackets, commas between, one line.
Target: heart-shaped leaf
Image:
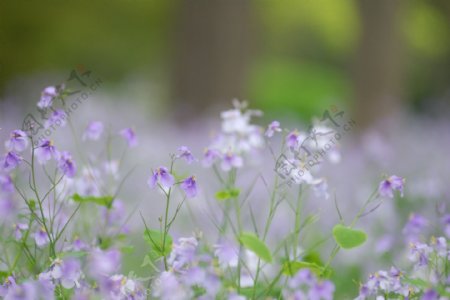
[(347, 237)]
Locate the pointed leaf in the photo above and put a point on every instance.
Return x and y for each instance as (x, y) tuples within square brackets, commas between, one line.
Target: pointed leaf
[(253, 243), (347, 237)]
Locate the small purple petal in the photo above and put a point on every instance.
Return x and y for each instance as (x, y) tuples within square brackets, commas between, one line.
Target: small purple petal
[(93, 131), (189, 186), (41, 238), (18, 141), (45, 151), (272, 128), (47, 96), (130, 136), (67, 165), (11, 161), (185, 153)]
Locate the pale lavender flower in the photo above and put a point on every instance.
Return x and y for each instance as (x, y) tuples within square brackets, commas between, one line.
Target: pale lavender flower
[(210, 157), (272, 128), (24, 291), (414, 227), (430, 295), (6, 208), (4, 287), (321, 291), (446, 224), (235, 296), (292, 139), (230, 161), (18, 141), (79, 245), (104, 263), (58, 118), (6, 184), (130, 136), (93, 131), (420, 254), (115, 214), (167, 287), (162, 176), (47, 286), (183, 252), (45, 151), (47, 96), (11, 161), (67, 165), (387, 186), (189, 186), (227, 254), (67, 271), (18, 228), (440, 246), (41, 238), (185, 153)]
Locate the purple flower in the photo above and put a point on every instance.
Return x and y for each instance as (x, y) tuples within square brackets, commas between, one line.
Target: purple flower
[(18, 228), (210, 156), (41, 237), (272, 128), (292, 139), (130, 136), (6, 183), (9, 282), (93, 131), (446, 224), (189, 186), (47, 96), (321, 290), (185, 153), (67, 165), (387, 186), (163, 176), (24, 291), (227, 254), (18, 141), (430, 295), (10, 161), (183, 252), (420, 254), (67, 272), (230, 161), (58, 118), (415, 225), (45, 151), (104, 263)]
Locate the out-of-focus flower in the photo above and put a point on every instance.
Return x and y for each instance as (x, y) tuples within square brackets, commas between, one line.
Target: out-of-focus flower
[(18, 228), (440, 246), (210, 157), (167, 287), (272, 128), (292, 139), (420, 254), (430, 295), (130, 136), (320, 188), (162, 176), (58, 118), (227, 254), (10, 161), (189, 186), (47, 96), (67, 165), (45, 151), (121, 287), (305, 285), (183, 252), (41, 237), (184, 152), (6, 184), (18, 141), (4, 287), (414, 227), (24, 291), (115, 214), (230, 161), (93, 131), (234, 296), (104, 263), (67, 271), (321, 291), (387, 186), (445, 220)]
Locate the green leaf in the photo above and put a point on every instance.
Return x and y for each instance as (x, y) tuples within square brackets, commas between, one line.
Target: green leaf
[(253, 243), (223, 195), (103, 201), (155, 239), (292, 267), (347, 237), (227, 194)]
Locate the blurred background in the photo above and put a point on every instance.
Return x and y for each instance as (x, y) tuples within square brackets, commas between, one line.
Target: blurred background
[(182, 57), (167, 66)]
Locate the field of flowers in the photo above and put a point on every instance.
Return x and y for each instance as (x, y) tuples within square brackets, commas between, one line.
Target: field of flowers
[(258, 211)]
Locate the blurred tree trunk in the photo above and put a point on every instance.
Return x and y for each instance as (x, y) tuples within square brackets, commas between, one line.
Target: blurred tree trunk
[(378, 62), (212, 53)]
